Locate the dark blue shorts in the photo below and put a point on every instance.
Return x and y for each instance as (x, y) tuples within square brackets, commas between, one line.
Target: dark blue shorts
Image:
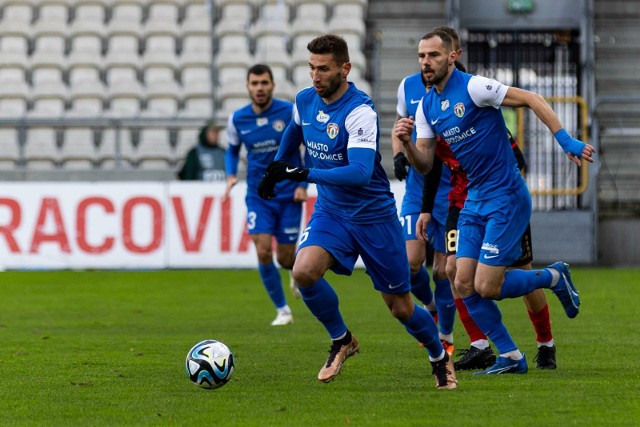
[(277, 218), (380, 245)]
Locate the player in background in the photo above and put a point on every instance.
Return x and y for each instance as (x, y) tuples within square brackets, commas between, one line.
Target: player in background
[(479, 355), (410, 92), (259, 126), (465, 110), (355, 212)]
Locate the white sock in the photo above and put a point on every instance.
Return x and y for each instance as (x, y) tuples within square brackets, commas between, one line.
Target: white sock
[(514, 355), (447, 337), (555, 277), (480, 344), (284, 310), (545, 344), (439, 358)]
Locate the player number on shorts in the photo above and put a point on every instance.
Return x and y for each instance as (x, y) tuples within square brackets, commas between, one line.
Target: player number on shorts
[(305, 235), (452, 241), (251, 220)]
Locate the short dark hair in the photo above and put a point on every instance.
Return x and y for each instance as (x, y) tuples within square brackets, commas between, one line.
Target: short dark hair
[(259, 69), (452, 33), (330, 43), (447, 41)]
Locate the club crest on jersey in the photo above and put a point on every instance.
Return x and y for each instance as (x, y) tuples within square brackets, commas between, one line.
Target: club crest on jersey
[(444, 104), (261, 121), (459, 109), (322, 117), (278, 125), (332, 130)]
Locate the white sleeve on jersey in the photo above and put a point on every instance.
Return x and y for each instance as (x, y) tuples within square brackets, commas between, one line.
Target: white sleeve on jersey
[(362, 126), (401, 107), (296, 116), (232, 132), (486, 92), (423, 129)]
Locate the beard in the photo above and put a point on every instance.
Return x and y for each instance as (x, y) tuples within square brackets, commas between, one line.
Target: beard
[(332, 86), (264, 102), (437, 77)]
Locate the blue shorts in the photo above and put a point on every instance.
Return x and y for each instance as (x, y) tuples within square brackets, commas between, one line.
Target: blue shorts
[(275, 217), (380, 245), (491, 230), (435, 230)]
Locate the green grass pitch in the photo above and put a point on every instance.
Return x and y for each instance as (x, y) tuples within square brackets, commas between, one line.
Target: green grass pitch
[(108, 348)]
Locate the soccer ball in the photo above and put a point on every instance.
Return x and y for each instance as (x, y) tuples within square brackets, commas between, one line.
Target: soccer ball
[(210, 364)]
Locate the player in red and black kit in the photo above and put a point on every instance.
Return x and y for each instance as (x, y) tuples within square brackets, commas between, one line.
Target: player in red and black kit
[(479, 355)]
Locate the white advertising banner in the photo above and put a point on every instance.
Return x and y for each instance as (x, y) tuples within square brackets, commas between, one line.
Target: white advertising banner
[(127, 225)]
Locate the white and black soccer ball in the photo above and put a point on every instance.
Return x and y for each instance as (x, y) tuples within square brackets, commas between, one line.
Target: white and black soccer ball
[(210, 364)]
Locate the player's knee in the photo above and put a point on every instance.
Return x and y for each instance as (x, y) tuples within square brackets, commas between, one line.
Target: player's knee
[(401, 310), (305, 275), (415, 265), (487, 290), (450, 271), (286, 261), (464, 287)]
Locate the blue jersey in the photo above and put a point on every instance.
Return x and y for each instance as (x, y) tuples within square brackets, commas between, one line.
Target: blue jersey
[(331, 134), (410, 92), (467, 115), (261, 135)]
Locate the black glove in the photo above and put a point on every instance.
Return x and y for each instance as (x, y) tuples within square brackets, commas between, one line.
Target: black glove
[(279, 171), (400, 166), (266, 187)]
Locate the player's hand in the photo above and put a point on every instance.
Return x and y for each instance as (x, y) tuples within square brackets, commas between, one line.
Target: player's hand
[(574, 148), (404, 129), (421, 227), (231, 182), (587, 154), (400, 166), (279, 171), (300, 195)]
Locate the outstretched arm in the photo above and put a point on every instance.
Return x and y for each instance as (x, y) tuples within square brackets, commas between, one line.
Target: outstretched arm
[(574, 148)]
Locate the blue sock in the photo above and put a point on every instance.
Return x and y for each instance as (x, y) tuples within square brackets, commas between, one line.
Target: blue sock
[(420, 286), (445, 305), (424, 329), (487, 316), (323, 303), (272, 283), (522, 282)]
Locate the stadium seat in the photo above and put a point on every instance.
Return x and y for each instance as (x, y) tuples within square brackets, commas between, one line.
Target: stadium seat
[(272, 49), (79, 150), (235, 20), (14, 94), (17, 12), (9, 149), (88, 14), (48, 60), (52, 16), (13, 104)]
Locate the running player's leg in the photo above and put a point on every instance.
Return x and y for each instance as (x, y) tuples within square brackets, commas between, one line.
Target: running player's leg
[(325, 244), (262, 219), (538, 310), (479, 355), (389, 272), (443, 294), (475, 231), (287, 238), (510, 218), (417, 253)]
